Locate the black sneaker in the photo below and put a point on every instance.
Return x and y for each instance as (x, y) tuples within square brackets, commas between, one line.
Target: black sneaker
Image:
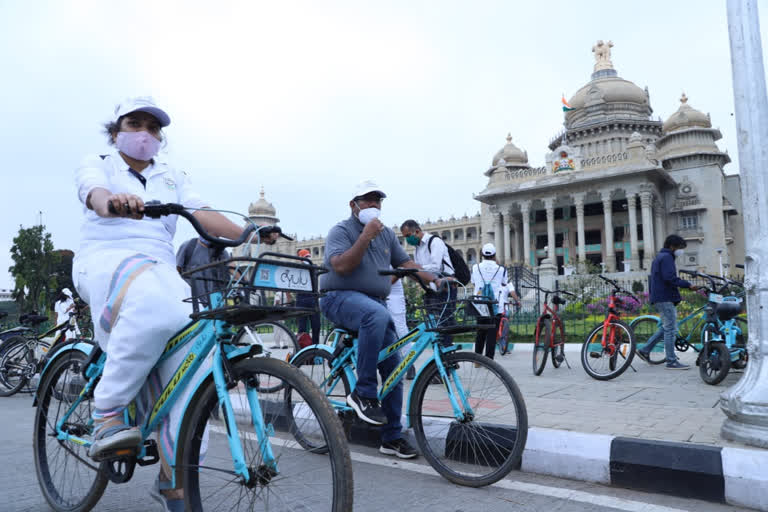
[(400, 448), (410, 374), (367, 409)]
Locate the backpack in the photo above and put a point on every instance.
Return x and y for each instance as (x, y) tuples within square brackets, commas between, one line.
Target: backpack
[(487, 291), (457, 263)]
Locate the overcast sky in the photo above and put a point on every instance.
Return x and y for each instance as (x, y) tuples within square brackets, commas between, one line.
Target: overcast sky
[(307, 98)]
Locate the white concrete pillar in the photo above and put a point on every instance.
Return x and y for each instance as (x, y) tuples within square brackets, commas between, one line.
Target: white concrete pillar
[(648, 250), (507, 245), (634, 250), (498, 227), (549, 205), (516, 240), (746, 403), (610, 253), (578, 199), (659, 231), (525, 209)]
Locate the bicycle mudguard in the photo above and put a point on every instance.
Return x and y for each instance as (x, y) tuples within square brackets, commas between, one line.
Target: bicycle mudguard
[(635, 320), (80, 346)]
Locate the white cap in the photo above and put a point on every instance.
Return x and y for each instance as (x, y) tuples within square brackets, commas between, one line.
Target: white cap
[(489, 250), (67, 292), (142, 104), (366, 187)]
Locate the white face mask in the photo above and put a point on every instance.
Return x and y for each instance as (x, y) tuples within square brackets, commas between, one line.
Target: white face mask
[(367, 215), (679, 253)]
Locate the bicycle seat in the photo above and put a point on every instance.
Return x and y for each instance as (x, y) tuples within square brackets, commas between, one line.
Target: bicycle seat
[(558, 301), (728, 310), (348, 331)]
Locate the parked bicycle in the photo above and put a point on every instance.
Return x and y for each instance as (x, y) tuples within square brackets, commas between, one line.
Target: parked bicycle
[(550, 331), (24, 356), (690, 328), (237, 443), (608, 350), (472, 428)]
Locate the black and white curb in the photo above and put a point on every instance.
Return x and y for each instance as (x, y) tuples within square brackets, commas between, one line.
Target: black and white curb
[(735, 476)]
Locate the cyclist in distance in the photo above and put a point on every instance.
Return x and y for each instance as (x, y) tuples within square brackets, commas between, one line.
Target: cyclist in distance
[(125, 269), (355, 250)]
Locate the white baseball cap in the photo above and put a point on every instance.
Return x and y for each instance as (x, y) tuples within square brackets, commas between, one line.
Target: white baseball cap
[(67, 292), (489, 250), (142, 104), (366, 187)]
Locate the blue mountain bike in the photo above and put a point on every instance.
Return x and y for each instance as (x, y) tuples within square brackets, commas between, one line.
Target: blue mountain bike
[(467, 413), (240, 443)]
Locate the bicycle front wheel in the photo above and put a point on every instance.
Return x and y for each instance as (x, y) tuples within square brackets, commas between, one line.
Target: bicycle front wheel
[(69, 479), (282, 474), (643, 329), (17, 365), (488, 441), (541, 345), (609, 361)]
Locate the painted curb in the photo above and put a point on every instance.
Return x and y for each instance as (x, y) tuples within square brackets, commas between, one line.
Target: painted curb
[(735, 476)]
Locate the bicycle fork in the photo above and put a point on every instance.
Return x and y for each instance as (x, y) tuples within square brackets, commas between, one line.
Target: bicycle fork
[(467, 414), (268, 469)]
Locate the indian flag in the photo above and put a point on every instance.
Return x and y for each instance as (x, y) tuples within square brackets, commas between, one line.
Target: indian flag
[(566, 106)]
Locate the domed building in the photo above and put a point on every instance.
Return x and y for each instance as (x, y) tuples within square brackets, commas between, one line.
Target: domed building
[(615, 184)]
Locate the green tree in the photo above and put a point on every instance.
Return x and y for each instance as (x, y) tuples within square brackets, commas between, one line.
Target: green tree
[(34, 261)]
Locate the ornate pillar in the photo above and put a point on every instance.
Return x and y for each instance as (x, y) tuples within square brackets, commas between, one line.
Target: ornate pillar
[(507, 245), (610, 253), (578, 199), (549, 205), (658, 225), (498, 226), (746, 403), (516, 241), (634, 250), (648, 249), (525, 209)]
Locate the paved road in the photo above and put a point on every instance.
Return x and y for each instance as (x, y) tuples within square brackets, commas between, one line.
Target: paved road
[(409, 486)]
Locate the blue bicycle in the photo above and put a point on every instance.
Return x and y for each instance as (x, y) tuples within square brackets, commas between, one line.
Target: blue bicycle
[(245, 421), (467, 413)]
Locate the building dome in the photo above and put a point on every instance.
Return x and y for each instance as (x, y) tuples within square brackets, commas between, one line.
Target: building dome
[(262, 207), (607, 96), (511, 154), (686, 117)]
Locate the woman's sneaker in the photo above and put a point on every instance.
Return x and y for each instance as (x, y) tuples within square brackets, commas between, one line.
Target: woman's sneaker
[(367, 409), (111, 436), (399, 448)]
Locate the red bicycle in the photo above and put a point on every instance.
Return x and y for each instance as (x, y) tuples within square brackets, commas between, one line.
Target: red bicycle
[(547, 324), (608, 350)]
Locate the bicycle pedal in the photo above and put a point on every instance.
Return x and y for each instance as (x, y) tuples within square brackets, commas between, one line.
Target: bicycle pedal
[(151, 455), (595, 355), (560, 358), (117, 454)]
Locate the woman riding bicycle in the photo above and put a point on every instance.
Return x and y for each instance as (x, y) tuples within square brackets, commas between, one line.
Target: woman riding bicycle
[(125, 268)]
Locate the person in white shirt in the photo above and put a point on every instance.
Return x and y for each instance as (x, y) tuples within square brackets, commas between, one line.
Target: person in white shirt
[(396, 307), (64, 307), (125, 268), (432, 255), (488, 271)]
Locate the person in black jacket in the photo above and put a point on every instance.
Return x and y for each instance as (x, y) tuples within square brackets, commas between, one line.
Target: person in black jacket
[(665, 295)]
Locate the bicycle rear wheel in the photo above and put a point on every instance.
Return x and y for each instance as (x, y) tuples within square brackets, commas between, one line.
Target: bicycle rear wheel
[(69, 479), (304, 480), (17, 365), (541, 345), (488, 443), (315, 364), (644, 328), (609, 361)]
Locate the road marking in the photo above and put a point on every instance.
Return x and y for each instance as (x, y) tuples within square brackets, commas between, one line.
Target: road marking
[(511, 485)]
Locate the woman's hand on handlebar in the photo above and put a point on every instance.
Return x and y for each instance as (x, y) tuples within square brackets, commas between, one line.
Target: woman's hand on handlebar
[(107, 204)]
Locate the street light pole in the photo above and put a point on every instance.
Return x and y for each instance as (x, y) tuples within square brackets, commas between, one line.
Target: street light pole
[(746, 403)]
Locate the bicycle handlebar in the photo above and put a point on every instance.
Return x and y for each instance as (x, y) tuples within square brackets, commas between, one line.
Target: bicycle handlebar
[(412, 272), (155, 210), (711, 279), (552, 292), (618, 288)]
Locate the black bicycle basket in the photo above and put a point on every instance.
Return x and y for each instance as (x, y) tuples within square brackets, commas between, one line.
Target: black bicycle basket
[(246, 290), (455, 316)]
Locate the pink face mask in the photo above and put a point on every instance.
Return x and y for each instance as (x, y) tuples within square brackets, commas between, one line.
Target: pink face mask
[(138, 145)]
